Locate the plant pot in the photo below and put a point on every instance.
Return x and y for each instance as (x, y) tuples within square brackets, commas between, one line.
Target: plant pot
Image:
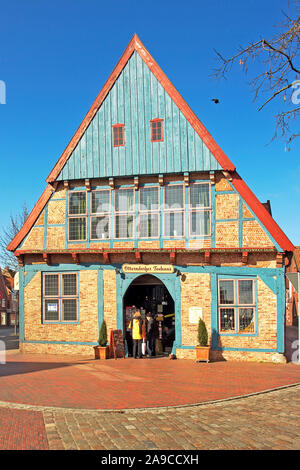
[(202, 353), (101, 352)]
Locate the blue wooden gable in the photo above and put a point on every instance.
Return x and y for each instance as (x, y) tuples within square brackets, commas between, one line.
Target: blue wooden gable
[(135, 99)]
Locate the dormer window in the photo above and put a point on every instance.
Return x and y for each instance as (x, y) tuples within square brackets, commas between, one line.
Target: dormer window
[(156, 130), (118, 135)]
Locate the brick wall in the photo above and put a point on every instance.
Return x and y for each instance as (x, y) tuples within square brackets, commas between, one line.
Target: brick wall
[(195, 292), (110, 299), (86, 331)]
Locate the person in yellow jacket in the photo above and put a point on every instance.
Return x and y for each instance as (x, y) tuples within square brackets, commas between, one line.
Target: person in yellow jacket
[(136, 326)]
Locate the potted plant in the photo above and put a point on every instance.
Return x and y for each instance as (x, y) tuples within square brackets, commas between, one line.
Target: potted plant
[(101, 351), (202, 350)]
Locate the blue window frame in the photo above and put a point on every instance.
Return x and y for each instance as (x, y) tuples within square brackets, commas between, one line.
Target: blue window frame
[(237, 306)]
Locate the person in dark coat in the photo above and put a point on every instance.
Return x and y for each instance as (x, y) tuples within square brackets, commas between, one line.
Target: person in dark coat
[(150, 334)]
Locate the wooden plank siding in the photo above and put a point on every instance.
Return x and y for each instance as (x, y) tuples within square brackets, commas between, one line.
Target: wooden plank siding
[(135, 99)]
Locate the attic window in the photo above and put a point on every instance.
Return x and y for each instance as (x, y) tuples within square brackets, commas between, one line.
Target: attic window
[(118, 135), (156, 130)]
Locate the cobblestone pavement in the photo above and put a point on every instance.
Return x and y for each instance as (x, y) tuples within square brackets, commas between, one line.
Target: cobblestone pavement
[(266, 421)]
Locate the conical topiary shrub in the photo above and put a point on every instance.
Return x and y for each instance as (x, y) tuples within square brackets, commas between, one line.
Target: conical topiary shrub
[(103, 335), (202, 333)]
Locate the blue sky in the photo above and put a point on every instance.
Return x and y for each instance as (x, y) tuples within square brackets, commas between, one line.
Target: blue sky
[(55, 57)]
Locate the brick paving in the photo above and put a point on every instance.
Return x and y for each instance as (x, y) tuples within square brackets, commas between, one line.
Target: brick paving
[(127, 383), (268, 421), (22, 430)]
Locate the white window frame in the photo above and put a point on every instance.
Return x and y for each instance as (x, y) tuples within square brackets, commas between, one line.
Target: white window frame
[(60, 298), (199, 210), (171, 211)]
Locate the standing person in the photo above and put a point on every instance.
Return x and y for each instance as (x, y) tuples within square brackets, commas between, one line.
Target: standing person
[(136, 326), (150, 334)]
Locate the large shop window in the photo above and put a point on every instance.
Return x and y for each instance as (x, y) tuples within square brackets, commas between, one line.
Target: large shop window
[(124, 213), (149, 212), (237, 306), (200, 209), (77, 215), (60, 297), (174, 211), (100, 214)]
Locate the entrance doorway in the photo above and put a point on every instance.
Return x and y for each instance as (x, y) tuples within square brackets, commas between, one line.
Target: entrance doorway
[(147, 293)]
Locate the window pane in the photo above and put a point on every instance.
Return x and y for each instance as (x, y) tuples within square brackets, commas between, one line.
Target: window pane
[(124, 200), (174, 196), (100, 228), (156, 127), (245, 291), (199, 195), (149, 199), (100, 201), (173, 224), (118, 133), (124, 226), (227, 319), (246, 320), (51, 285), (69, 307), (77, 203), (69, 284), (226, 292), (51, 310), (77, 228), (149, 225), (200, 223)]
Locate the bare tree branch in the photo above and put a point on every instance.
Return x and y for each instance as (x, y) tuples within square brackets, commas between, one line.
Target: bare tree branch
[(278, 58), (8, 259)]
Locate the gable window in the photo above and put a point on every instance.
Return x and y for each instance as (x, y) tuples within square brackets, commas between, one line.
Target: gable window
[(174, 211), (237, 306), (149, 212), (200, 209), (60, 297), (77, 216), (100, 212), (118, 135), (156, 130), (124, 213)]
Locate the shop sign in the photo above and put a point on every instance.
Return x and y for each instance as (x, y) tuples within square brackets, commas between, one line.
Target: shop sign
[(194, 314), (148, 268)]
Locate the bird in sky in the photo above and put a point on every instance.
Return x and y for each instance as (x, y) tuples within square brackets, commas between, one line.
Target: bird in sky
[(215, 100)]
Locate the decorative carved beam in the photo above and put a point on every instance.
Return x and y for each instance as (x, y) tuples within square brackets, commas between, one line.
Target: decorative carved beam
[(46, 258), (76, 258), (245, 257), (172, 257), (112, 183), (207, 257), (186, 177), (138, 256), (212, 177), (54, 185), (88, 184), (20, 260), (161, 180), (106, 257), (136, 183), (66, 184), (279, 260), (227, 175)]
